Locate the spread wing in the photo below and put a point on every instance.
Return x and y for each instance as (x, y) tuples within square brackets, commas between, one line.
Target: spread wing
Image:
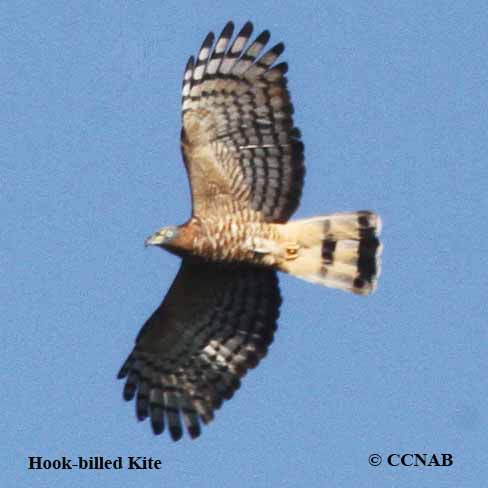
[(240, 147), (215, 323)]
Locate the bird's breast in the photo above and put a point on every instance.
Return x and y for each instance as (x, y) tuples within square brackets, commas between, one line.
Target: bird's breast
[(229, 239)]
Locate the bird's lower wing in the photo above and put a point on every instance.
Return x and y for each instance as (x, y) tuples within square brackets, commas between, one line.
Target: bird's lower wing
[(215, 323)]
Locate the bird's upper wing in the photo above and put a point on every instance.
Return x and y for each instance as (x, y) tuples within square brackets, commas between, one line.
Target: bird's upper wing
[(240, 147), (216, 322)]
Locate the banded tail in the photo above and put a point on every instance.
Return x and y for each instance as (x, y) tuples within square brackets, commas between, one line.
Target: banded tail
[(340, 250)]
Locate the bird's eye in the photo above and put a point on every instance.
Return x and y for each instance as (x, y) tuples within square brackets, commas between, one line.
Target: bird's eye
[(170, 233)]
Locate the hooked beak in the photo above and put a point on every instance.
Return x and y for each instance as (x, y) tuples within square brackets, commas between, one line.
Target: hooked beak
[(154, 240)]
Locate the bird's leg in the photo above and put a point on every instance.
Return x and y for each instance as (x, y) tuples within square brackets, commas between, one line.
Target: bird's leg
[(291, 250)]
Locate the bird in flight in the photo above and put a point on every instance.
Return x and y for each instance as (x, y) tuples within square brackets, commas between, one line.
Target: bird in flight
[(244, 160)]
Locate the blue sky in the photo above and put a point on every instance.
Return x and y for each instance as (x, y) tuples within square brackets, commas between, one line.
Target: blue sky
[(391, 98)]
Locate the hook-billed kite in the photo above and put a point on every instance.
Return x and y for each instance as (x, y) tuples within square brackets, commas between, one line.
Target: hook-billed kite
[(245, 163)]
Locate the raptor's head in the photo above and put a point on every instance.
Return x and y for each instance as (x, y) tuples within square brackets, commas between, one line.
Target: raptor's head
[(162, 237)]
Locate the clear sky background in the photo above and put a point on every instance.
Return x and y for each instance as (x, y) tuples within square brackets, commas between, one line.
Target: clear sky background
[(391, 98)]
